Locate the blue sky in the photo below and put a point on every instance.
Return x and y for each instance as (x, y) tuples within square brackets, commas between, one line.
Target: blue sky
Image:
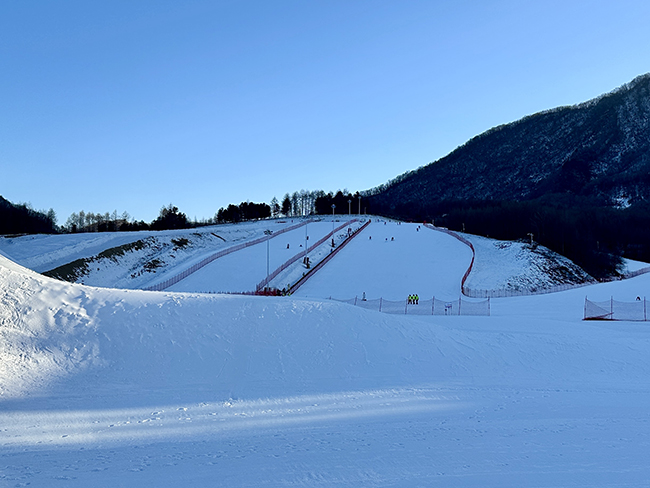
[(132, 105)]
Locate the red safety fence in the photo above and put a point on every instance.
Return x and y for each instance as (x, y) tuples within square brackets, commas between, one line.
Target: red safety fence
[(504, 293), (327, 258), (262, 284), (467, 243), (193, 269)]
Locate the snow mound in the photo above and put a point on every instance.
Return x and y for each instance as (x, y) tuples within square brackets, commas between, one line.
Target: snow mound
[(516, 266)]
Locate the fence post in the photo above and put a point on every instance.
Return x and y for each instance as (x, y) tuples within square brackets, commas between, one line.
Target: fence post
[(355, 300), (433, 304), (611, 307), (380, 298), (645, 317), (585, 312), (406, 306), (489, 310), (459, 298)]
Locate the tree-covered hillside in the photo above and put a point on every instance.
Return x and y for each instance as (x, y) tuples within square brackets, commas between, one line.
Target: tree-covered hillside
[(22, 219)]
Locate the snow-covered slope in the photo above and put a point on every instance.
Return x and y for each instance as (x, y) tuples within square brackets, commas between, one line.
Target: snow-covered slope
[(106, 387), (520, 267), (128, 259), (137, 260)]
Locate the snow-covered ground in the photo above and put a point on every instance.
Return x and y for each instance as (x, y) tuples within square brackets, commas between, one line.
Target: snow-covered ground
[(392, 260), (519, 266), (108, 387), (241, 271)]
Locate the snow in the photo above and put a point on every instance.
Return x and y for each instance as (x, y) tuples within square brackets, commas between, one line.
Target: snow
[(386, 252), (243, 270), (519, 266), (46, 252), (121, 387)]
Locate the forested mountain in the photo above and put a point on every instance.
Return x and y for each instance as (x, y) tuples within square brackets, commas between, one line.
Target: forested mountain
[(598, 150), (545, 172)]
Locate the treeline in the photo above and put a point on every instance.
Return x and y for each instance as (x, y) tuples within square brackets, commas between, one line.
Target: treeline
[(169, 218), (594, 237), (23, 219), (243, 211), (339, 203), (298, 204), (95, 222), (317, 202)]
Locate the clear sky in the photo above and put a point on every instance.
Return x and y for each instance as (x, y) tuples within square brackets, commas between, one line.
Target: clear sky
[(132, 105)]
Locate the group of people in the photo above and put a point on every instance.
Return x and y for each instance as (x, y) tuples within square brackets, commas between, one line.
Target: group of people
[(413, 299)]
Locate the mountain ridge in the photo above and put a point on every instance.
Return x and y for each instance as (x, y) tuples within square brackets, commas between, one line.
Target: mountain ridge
[(597, 149)]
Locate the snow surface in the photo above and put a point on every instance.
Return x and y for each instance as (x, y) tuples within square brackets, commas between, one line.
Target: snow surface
[(241, 271), (107, 387), (390, 260), (518, 266)]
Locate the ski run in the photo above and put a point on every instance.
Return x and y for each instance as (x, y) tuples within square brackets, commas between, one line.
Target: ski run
[(104, 384)]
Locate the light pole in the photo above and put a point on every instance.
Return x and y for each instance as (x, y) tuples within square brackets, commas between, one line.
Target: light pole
[(359, 204), (268, 240), (333, 207), (349, 207), (306, 239)]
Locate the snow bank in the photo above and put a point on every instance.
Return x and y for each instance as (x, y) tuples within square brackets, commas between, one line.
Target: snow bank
[(106, 387)]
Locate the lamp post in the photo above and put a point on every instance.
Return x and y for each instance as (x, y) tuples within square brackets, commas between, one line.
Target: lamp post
[(349, 207), (333, 207), (306, 239), (359, 204), (268, 240)]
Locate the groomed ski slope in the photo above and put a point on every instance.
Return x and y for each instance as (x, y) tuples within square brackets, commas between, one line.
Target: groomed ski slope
[(392, 260), (104, 387), (242, 270)]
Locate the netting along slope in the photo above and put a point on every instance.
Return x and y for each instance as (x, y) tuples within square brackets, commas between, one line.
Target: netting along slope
[(432, 306), (615, 310)]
